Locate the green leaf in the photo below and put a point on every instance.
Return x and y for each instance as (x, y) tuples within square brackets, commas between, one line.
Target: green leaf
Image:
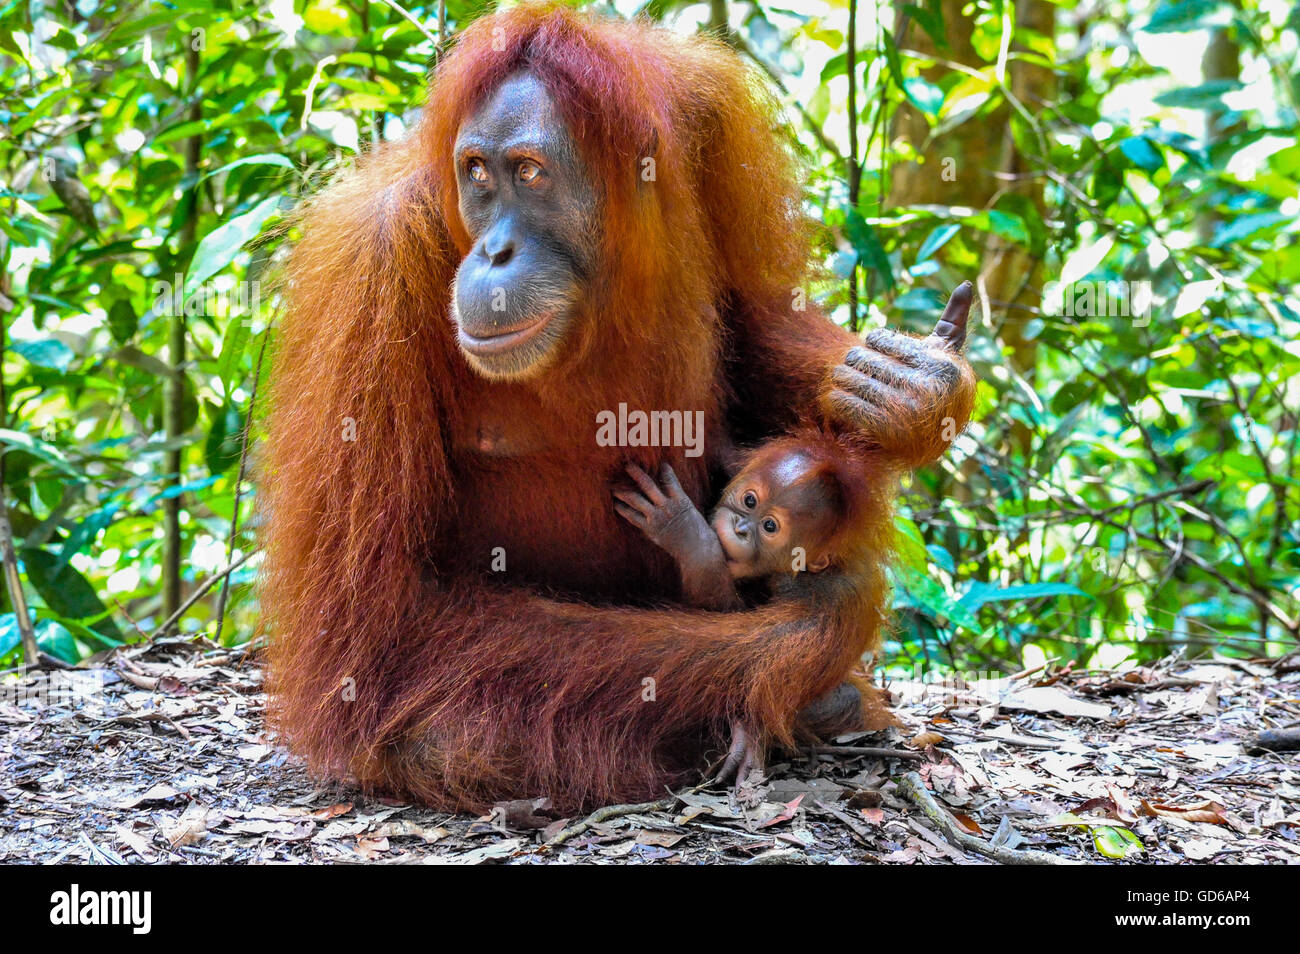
[(220, 246), (233, 346), (1008, 226), (135, 358), (936, 240), (1203, 96), (870, 252), (925, 594), (10, 635), (85, 533), (919, 299), (262, 159), (38, 448), (1180, 16), (1114, 842), (1179, 142), (1028, 215), (941, 558), (66, 591), (82, 631), (980, 593), (225, 438), (1247, 226), (45, 352), (122, 321), (927, 97), (55, 640), (911, 545), (1139, 151), (931, 19)]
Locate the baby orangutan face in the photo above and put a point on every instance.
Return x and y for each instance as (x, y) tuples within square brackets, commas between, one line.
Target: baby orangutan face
[(778, 515)]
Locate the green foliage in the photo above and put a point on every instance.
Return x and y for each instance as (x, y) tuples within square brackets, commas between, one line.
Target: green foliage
[(1130, 481)]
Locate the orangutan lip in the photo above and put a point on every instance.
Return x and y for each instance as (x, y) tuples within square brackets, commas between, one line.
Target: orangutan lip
[(506, 340), (732, 549)]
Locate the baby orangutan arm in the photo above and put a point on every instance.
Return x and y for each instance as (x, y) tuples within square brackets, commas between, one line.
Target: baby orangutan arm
[(670, 519)]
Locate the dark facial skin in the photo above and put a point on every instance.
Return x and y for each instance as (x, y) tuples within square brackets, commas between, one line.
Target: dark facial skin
[(773, 506), (530, 207)]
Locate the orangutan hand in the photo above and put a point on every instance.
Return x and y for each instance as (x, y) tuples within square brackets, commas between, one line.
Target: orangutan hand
[(910, 396)]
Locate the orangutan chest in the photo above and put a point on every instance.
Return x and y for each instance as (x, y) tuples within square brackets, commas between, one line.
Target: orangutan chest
[(495, 434)]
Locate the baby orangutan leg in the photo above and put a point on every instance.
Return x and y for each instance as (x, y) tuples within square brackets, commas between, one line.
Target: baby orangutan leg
[(835, 713)]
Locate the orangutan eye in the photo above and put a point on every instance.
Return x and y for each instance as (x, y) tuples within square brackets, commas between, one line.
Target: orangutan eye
[(769, 526), (477, 171), (529, 171), (750, 500)]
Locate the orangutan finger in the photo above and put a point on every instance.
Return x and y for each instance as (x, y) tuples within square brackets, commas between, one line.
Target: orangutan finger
[(904, 349), (879, 365), (634, 517), (870, 391), (634, 500), (951, 327), (647, 485), (668, 477)]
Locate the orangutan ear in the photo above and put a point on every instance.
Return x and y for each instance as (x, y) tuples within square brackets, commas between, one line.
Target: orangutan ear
[(819, 564)]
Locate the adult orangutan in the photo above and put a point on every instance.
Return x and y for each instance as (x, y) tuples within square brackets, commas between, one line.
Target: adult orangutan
[(590, 213)]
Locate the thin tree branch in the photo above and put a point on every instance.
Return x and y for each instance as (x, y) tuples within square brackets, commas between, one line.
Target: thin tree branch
[(239, 483), (198, 593)]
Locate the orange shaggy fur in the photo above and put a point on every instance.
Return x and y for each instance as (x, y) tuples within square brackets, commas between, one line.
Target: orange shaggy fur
[(399, 657)]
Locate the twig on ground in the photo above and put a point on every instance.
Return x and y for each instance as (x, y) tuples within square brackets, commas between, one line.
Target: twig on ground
[(911, 786), (617, 811), (13, 582), (779, 856), (608, 812), (874, 751), (859, 833)]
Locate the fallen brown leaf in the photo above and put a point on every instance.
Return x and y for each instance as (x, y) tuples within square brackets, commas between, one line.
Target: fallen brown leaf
[(523, 814), (657, 839), (966, 822), (188, 830), (370, 847), (1210, 813), (332, 811), (787, 812)]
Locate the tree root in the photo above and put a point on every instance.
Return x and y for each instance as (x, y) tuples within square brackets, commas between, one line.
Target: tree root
[(911, 786), (608, 812)]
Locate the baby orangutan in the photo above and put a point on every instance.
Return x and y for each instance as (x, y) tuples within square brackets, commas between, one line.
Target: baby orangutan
[(790, 511), (800, 516)]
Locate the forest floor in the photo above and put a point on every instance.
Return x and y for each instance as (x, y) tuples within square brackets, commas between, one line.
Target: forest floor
[(161, 757)]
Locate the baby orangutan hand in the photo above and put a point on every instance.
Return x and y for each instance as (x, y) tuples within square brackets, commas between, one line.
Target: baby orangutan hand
[(668, 517)]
